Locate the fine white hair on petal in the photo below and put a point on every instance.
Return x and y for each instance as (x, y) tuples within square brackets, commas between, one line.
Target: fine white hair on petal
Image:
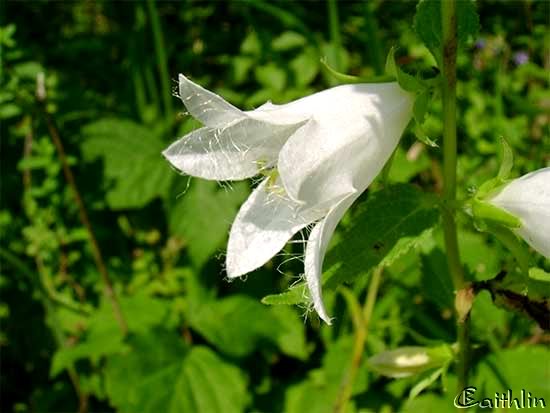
[(210, 108), (229, 153), (528, 198), (316, 249), (264, 224)]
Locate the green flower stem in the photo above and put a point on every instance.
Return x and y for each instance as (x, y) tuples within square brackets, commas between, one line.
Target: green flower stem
[(448, 93), (361, 322), (374, 49), (162, 60), (335, 39)]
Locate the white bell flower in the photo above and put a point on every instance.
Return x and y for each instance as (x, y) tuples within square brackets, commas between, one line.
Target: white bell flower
[(318, 154), (528, 198)]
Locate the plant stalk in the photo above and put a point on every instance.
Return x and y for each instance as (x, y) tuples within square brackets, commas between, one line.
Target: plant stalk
[(361, 322), (160, 51), (448, 93), (335, 38), (82, 212)]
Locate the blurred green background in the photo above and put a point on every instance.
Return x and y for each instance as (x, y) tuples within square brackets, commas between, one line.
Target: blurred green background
[(194, 342)]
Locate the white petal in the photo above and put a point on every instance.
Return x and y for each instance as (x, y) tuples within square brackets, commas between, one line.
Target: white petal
[(315, 251), (211, 109), (528, 198), (237, 151), (264, 224), (352, 133)]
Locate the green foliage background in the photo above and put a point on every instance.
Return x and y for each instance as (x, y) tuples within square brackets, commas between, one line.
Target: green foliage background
[(195, 342)]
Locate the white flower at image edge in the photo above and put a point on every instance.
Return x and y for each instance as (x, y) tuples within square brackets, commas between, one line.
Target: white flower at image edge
[(528, 198), (319, 154)]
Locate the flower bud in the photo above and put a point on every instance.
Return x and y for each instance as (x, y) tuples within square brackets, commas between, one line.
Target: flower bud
[(528, 199), (407, 361)]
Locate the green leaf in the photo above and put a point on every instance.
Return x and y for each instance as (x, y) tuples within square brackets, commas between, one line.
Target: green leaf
[(498, 372), (203, 215), (271, 77), (386, 226), (427, 24), (305, 67), (287, 41), (135, 170), (161, 374), (104, 337), (407, 165), (436, 282), (236, 324), (321, 388)]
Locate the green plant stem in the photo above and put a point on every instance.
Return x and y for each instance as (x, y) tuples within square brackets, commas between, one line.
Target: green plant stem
[(162, 60), (82, 212), (335, 39), (374, 48), (361, 322), (448, 92)]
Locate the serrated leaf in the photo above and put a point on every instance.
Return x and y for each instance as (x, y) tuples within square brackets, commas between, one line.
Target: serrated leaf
[(133, 166), (161, 374), (387, 225), (204, 214), (235, 325), (498, 372), (427, 24), (104, 337), (436, 282)]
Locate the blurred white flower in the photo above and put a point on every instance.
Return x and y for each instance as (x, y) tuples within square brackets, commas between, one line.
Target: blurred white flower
[(318, 154), (528, 198)]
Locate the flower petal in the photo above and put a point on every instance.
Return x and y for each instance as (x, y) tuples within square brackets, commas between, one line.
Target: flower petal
[(237, 151), (211, 109), (528, 198), (315, 251), (346, 143), (264, 224)]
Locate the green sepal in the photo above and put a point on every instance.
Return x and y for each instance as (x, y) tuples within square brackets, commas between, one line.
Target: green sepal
[(482, 210), (423, 137), (420, 108), (507, 160), (349, 79), (406, 81)]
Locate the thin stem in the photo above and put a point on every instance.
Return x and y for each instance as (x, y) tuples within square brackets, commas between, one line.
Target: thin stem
[(162, 60), (448, 91), (361, 321), (374, 49), (335, 39), (83, 214)]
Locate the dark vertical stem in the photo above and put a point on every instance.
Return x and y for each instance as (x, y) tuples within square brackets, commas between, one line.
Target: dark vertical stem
[(83, 214)]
